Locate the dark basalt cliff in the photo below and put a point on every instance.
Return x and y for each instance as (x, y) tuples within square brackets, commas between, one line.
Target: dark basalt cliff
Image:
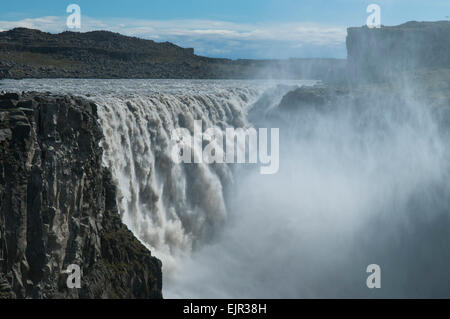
[(58, 206), (26, 53), (376, 54)]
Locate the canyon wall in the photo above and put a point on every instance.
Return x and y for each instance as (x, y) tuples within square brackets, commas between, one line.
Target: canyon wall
[(58, 206), (378, 53)]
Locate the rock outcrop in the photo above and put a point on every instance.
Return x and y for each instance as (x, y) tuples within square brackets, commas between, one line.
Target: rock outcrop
[(377, 54), (58, 206)]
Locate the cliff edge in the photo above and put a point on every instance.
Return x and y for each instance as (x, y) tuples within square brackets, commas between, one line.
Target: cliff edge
[(58, 206), (377, 54)]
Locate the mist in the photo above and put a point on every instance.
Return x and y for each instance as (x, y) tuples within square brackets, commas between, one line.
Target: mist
[(362, 180)]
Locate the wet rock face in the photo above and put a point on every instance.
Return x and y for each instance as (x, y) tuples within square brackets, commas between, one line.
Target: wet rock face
[(305, 97), (58, 206)]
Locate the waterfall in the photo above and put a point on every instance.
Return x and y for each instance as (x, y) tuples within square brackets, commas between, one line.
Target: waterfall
[(362, 180), (171, 208)]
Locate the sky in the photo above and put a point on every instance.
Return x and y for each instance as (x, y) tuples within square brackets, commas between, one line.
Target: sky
[(226, 28)]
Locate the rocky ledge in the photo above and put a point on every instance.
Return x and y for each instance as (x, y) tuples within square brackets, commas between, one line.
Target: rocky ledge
[(58, 206)]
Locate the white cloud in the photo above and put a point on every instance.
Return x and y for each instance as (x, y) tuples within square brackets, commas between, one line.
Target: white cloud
[(211, 36)]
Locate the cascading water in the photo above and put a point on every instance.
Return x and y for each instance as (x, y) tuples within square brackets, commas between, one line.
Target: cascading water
[(364, 181), (171, 208)]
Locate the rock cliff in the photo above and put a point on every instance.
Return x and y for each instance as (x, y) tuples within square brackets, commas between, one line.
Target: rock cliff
[(58, 206), (376, 54), (27, 53)]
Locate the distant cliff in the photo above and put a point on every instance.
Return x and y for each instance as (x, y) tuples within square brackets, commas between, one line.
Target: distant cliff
[(58, 206), (26, 53), (379, 53)]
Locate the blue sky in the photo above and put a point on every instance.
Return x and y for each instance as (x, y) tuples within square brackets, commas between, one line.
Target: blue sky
[(227, 28)]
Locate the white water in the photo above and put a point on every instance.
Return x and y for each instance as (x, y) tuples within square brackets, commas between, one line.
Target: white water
[(172, 209), (364, 184)]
